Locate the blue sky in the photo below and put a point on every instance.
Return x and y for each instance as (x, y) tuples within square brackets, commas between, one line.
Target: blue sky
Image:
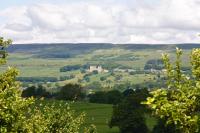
[(115, 21)]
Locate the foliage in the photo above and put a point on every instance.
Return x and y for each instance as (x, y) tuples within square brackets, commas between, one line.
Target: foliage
[(103, 78), (3, 54), (58, 118), (37, 79), (70, 68), (128, 92), (95, 72), (178, 104), (19, 115), (12, 106), (97, 114), (109, 97), (95, 85), (33, 91), (154, 64), (118, 77), (68, 77), (71, 92), (161, 127), (129, 114)]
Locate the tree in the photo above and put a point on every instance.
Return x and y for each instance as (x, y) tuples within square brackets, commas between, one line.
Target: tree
[(98, 97), (95, 85), (87, 79), (128, 92), (110, 97), (29, 91), (3, 53), (12, 107), (103, 78), (36, 92), (179, 104), (129, 114), (161, 127), (114, 97), (20, 115), (71, 92)]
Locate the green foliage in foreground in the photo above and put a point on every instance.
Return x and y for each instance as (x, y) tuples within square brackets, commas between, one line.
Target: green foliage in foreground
[(178, 104), (17, 114)]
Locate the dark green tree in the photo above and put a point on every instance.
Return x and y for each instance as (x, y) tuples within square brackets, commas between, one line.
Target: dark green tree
[(129, 114), (71, 92), (29, 91), (109, 97), (114, 97)]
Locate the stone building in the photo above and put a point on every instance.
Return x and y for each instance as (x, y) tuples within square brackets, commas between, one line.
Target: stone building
[(97, 68)]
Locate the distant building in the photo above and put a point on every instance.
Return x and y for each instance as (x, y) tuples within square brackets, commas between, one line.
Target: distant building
[(97, 68)]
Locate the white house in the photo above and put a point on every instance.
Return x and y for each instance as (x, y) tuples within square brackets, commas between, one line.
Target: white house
[(97, 68)]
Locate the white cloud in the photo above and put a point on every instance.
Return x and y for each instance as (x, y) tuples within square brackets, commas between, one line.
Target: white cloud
[(169, 21)]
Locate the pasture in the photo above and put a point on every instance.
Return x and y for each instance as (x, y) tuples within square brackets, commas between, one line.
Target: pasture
[(97, 114), (46, 61)]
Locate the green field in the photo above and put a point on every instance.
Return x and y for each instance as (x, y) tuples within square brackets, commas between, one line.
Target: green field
[(37, 63), (98, 114), (30, 65)]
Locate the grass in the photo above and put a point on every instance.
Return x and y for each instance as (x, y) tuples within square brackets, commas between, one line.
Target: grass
[(99, 115)]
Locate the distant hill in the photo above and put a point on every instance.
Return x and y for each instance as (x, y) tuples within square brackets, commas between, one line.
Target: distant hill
[(66, 50)]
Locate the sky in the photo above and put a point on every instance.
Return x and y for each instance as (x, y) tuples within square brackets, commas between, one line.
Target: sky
[(100, 21)]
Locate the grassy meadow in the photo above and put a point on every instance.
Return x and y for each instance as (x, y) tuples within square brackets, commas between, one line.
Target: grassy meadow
[(97, 114)]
